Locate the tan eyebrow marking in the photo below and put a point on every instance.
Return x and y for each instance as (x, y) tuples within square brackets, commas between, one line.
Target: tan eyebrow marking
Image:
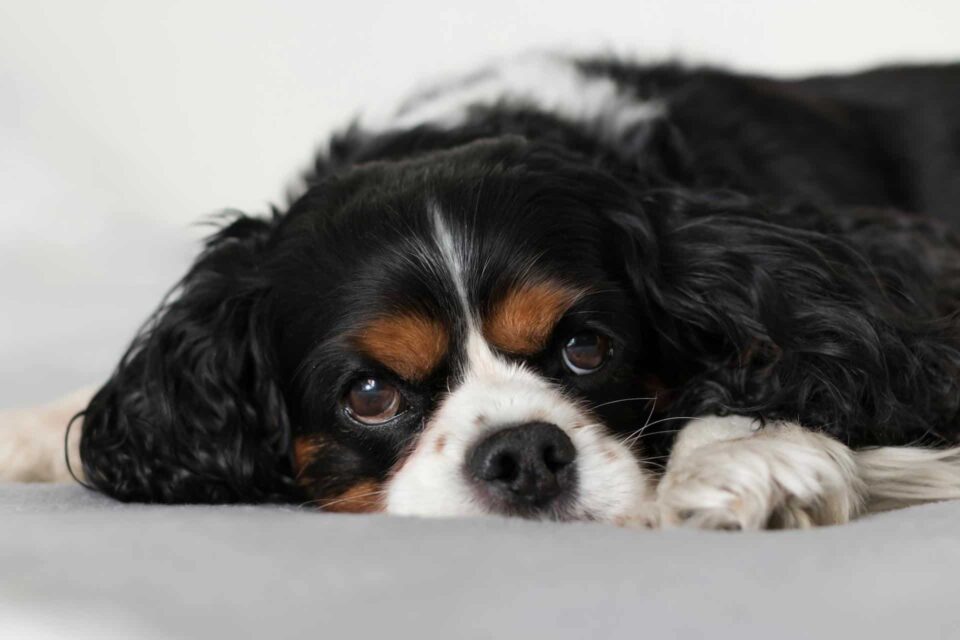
[(522, 321), (410, 344)]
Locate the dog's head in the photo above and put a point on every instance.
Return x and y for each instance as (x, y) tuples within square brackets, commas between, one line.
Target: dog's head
[(433, 336), (448, 330)]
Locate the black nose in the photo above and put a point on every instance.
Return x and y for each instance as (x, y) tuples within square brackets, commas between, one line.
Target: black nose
[(524, 469)]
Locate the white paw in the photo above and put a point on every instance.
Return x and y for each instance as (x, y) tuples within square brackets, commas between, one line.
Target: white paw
[(782, 476)]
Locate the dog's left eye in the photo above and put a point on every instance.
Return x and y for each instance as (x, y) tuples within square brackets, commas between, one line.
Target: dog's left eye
[(373, 401), (586, 352)]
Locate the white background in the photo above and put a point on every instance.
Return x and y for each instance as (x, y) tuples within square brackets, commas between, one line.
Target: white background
[(122, 123)]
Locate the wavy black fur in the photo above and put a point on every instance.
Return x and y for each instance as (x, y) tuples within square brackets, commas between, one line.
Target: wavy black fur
[(193, 410)]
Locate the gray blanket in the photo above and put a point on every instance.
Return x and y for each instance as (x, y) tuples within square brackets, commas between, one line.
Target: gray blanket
[(75, 564)]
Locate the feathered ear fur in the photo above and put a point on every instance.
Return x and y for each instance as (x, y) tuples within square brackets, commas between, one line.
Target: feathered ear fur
[(192, 413), (836, 319)]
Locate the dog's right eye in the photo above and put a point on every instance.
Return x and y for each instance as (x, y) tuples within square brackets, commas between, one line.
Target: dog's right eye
[(586, 352), (373, 401)]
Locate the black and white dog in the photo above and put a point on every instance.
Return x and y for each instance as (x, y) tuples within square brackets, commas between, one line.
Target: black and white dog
[(576, 290)]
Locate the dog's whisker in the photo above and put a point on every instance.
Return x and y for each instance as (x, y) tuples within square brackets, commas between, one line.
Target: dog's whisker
[(637, 399), (656, 465), (657, 433), (327, 505), (645, 458), (321, 504), (635, 436)]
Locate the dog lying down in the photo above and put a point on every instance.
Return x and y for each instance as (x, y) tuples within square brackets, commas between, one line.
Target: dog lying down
[(570, 290)]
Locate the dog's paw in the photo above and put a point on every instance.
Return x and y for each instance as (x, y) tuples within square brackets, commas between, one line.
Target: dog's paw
[(780, 477)]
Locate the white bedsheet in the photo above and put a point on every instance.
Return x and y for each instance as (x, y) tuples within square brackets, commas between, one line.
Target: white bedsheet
[(74, 560)]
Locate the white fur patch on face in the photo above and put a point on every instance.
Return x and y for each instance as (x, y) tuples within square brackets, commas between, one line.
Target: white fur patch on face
[(547, 83), (454, 259), (611, 486), (493, 394)]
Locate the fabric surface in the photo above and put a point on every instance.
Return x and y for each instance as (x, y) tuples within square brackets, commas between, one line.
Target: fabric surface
[(75, 562)]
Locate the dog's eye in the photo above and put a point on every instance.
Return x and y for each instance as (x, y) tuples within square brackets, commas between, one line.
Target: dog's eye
[(586, 352), (373, 401)]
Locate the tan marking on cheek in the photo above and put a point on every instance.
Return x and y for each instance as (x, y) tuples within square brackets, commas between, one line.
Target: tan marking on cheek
[(440, 444), (410, 344), (364, 497), (522, 321), (305, 450)]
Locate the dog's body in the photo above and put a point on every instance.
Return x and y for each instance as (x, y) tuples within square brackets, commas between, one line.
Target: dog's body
[(508, 296)]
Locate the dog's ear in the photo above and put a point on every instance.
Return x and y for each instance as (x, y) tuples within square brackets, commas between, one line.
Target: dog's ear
[(786, 313), (192, 412)]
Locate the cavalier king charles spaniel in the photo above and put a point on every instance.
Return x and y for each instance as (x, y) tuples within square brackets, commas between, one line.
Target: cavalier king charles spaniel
[(575, 289)]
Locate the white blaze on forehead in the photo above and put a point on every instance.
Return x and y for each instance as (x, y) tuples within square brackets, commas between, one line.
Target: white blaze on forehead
[(549, 83), (453, 256)]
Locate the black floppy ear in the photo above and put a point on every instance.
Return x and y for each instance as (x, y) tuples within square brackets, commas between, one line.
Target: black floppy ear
[(192, 412), (790, 313)]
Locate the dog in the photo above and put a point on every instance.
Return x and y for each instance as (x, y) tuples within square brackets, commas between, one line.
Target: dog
[(575, 289)]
